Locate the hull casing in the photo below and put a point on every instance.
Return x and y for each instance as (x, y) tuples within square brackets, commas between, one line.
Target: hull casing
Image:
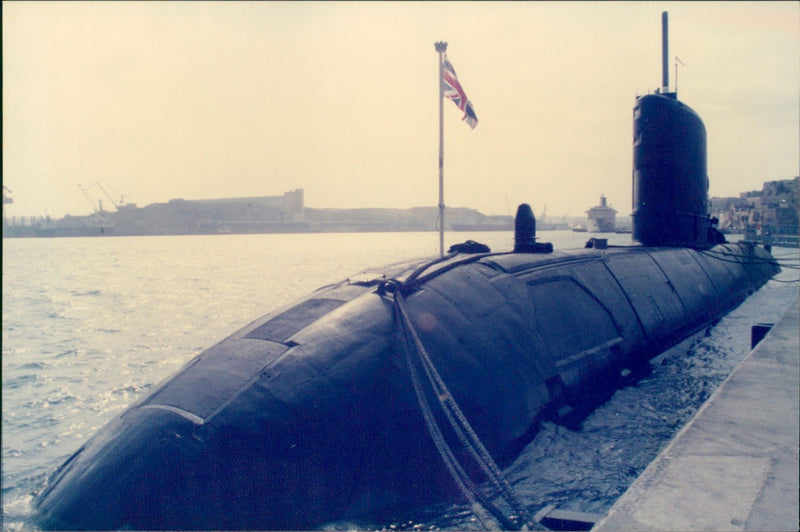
[(308, 415)]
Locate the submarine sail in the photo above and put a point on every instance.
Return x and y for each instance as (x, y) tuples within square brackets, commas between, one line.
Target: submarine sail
[(670, 183), (311, 415)]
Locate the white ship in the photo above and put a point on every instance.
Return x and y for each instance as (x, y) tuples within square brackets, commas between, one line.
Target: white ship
[(602, 218)]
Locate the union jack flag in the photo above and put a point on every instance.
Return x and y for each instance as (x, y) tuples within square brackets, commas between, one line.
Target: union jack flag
[(454, 91)]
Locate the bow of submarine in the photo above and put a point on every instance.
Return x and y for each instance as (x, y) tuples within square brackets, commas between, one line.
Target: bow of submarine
[(259, 431)]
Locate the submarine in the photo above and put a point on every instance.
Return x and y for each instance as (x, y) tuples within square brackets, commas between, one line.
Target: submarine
[(413, 383)]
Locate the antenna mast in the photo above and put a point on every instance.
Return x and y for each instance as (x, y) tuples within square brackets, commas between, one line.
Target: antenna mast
[(664, 52)]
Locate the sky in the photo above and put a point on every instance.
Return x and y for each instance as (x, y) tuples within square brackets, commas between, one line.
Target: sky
[(198, 100)]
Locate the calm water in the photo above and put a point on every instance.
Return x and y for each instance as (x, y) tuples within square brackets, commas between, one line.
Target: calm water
[(89, 324)]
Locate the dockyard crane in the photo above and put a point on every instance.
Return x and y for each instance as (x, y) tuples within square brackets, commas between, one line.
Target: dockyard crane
[(6, 199), (116, 204), (86, 193)]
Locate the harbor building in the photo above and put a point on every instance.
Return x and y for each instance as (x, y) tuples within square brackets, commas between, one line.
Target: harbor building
[(772, 210)]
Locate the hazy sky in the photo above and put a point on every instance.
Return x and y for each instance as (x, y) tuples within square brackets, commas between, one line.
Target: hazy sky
[(212, 99)]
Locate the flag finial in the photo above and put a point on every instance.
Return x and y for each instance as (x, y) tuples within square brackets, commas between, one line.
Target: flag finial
[(441, 46)]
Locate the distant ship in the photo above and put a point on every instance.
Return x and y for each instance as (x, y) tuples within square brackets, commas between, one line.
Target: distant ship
[(602, 218)]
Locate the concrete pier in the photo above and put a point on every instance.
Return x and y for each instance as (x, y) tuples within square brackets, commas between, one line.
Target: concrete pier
[(735, 465)]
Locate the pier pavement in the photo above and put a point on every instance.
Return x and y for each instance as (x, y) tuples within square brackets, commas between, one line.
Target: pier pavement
[(734, 466)]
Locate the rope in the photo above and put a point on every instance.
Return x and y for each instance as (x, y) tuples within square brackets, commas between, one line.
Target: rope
[(464, 484), (458, 423), (746, 259)]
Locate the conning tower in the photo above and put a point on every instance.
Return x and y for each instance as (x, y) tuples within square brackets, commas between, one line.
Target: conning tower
[(670, 183)]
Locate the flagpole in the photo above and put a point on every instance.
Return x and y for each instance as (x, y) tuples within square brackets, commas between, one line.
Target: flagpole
[(676, 76), (441, 47)]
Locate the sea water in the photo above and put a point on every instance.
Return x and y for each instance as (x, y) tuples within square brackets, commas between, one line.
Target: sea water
[(91, 324)]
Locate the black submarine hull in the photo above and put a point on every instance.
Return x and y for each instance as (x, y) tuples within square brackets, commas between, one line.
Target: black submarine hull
[(308, 415)]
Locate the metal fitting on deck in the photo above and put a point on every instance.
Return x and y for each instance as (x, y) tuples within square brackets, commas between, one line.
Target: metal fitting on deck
[(525, 232)]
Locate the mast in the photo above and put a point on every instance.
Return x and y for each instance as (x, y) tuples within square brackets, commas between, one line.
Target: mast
[(664, 52), (441, 48)]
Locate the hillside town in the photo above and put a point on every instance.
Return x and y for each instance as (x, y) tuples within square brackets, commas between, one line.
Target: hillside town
[(771, 210)]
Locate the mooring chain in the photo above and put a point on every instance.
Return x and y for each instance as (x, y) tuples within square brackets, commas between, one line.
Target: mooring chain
[(458, 422)]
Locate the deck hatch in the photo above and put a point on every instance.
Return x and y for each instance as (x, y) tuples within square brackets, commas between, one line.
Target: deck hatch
[(285, 325), (217, 375)]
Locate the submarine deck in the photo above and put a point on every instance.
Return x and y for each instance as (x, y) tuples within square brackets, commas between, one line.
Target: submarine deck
[(734, 466)]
